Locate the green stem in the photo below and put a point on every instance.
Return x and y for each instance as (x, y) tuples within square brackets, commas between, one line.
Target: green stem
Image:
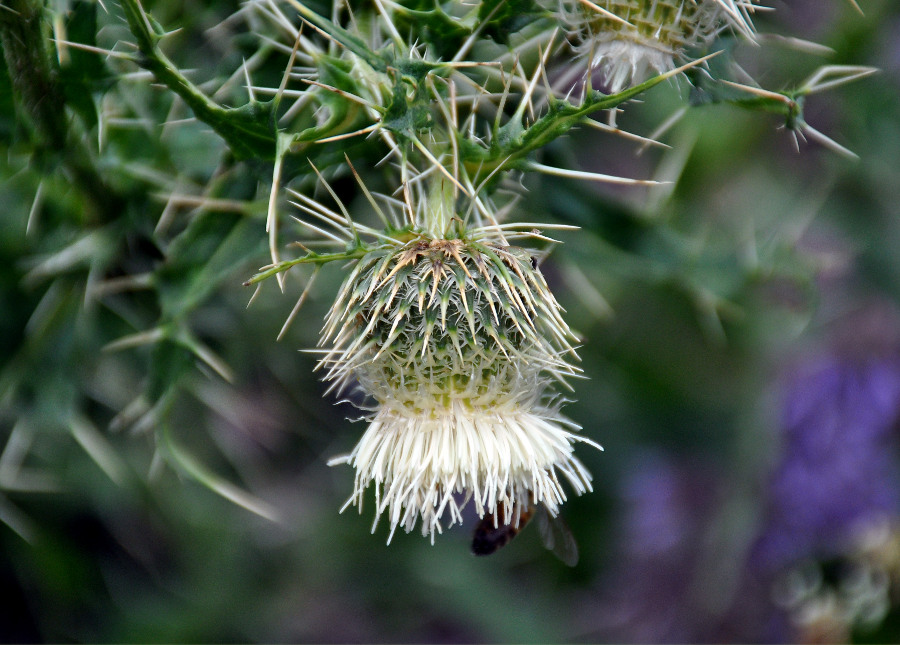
[(513, 142), (310, 258), (35, 84), (249, 130), (34, 81)]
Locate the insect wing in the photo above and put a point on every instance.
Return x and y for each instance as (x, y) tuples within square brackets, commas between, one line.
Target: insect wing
[(557, 537)]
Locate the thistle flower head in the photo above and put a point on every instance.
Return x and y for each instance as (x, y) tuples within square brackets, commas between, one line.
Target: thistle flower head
[(458, 341), (629, 40)]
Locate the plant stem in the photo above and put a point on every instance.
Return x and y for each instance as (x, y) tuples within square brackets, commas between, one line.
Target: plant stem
[(249, 130), (35, 82)]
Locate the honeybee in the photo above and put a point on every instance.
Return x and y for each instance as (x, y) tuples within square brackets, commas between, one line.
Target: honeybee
[(491, 535)]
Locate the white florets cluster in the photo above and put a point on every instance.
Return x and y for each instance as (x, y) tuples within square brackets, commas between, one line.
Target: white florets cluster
[(459, 342), (627, 41)]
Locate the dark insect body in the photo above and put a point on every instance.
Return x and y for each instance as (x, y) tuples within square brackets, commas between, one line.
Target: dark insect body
[(491, 535)]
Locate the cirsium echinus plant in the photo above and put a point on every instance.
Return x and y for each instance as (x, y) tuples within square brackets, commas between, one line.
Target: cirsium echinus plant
[(392, 142)]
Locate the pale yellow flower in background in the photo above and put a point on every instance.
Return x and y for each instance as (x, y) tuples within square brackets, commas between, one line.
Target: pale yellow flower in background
[(628, 41)]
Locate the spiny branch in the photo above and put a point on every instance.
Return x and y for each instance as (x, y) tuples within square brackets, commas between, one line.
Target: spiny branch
[(309, 258), (248, 130)]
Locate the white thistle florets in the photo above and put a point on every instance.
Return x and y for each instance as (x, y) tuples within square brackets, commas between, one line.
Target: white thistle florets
[(627, 41), (459, 342)]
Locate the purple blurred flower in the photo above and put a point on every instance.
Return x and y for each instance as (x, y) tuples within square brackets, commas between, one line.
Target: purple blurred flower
[(685, 575), (838, 470)]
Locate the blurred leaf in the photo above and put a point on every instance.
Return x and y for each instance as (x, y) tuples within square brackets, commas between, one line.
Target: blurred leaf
[(502, 18), (7, 106), (169, 362), (203, 475), (204, 255), (83, 74)]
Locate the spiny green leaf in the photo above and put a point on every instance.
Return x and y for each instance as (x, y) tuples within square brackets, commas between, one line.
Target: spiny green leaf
[(249, 130), (409, 111), (350, 41), (444, 32)]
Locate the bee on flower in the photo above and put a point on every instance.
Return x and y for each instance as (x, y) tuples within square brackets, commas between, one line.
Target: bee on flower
[(454, 334), (627, 41)]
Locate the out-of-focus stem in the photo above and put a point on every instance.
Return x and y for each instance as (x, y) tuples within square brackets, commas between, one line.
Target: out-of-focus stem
[(34, 80), (35, 84)]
